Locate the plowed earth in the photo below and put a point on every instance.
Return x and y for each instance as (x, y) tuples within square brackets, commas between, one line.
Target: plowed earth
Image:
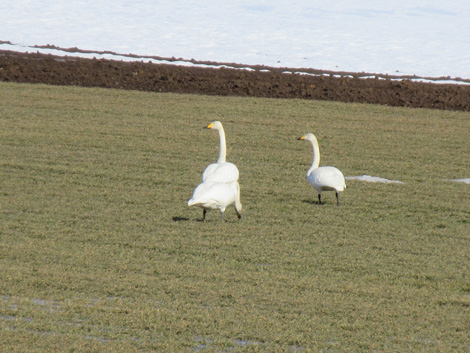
[(257, 81)]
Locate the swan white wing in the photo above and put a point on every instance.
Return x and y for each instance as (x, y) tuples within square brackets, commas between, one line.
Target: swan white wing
[(198, 193), (213, 195), (327, 178), (221, 172), (209, 170)]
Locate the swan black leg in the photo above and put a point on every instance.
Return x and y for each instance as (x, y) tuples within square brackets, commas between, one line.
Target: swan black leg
[(319, 199), (337, 198), (204, 215)]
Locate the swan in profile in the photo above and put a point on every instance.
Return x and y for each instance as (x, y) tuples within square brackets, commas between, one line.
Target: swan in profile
[(221, 171), (212, 195), (323, 178)]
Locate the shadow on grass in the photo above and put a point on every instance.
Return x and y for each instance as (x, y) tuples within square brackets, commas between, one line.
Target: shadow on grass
[(313, 202), (199, 220)]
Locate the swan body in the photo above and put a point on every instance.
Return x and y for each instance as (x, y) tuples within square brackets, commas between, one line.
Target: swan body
[(323, 178), (222, 171), (212, 195), (219, 188)]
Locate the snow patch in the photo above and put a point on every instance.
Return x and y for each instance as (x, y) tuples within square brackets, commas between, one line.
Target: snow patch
[(465, 181), (373, 179)]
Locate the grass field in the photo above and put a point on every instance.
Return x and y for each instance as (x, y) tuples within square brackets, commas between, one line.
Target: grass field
[(99, 251)]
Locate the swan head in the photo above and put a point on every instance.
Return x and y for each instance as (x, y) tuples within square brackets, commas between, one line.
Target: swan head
[(215, 125), (307, 137)]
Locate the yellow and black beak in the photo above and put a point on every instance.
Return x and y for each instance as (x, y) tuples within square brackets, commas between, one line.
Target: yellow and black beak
[(301, 138), (209, 126)]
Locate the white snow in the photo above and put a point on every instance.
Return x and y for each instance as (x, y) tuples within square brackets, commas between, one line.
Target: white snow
[(465, 181), (427, 38), (373, 179)]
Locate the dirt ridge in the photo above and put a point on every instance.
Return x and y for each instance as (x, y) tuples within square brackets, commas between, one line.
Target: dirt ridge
[(232, 79)]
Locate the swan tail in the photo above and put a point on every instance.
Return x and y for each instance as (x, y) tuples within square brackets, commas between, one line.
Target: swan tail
[(192, 202), (203, 201)]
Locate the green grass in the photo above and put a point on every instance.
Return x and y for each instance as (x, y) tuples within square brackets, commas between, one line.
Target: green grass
[(99, 251)]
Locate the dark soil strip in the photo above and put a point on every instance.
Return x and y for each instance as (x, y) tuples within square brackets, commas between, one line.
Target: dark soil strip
[(48, 69)]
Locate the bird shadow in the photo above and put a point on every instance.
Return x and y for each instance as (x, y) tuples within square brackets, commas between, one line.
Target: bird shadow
[(180, 219), (185, 219), (312, 202)]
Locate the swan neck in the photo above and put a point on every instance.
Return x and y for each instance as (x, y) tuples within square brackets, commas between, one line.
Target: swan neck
[(222, 147), (316, 154)]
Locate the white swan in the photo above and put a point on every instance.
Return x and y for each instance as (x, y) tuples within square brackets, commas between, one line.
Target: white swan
[(323, 178), (216, 195), (221, 171)]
